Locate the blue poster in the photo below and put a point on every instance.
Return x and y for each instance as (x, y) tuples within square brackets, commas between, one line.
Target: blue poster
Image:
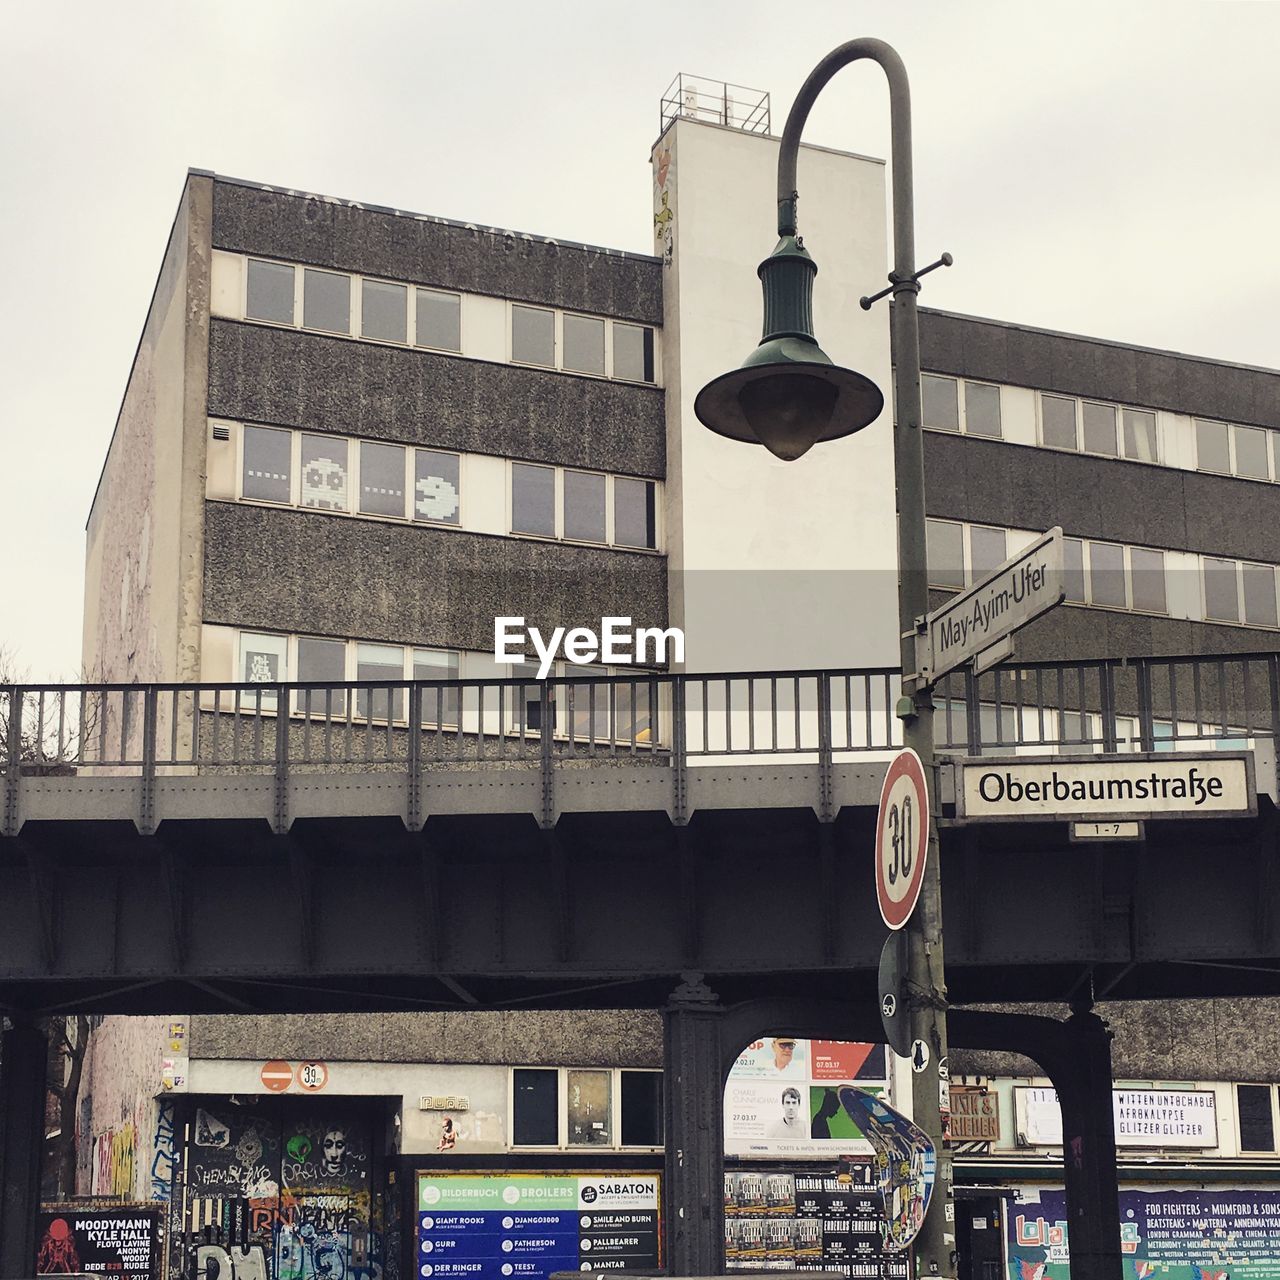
[(1164, 1235), (524, 1226)]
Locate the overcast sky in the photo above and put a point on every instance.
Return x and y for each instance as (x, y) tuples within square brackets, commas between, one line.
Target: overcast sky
[(1105, 169)]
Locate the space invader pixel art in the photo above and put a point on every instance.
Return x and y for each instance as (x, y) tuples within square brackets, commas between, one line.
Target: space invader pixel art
[(436, 499), (324, 484), (436, 486)]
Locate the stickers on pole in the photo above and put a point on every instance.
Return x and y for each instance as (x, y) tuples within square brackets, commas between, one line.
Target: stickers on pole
[(902, 838), (905, 1164)]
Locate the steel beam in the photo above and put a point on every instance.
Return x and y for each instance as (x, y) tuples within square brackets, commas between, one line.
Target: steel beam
[(693, 1112), (23, 1064)]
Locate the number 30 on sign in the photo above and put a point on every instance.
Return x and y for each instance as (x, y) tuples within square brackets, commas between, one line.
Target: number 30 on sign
[(902, 838)]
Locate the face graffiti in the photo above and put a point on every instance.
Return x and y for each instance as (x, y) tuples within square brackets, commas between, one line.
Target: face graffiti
[(333, 1157)]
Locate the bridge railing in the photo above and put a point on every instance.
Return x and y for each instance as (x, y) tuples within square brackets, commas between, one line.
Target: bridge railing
[(1147, 704)]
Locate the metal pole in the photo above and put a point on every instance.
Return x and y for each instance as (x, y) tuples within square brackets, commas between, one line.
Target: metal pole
[(935, 1245)]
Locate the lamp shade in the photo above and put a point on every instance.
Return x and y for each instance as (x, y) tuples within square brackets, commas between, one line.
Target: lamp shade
[(788, 395)]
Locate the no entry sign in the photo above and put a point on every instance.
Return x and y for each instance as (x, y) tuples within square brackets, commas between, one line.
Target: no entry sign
[(902, 838)]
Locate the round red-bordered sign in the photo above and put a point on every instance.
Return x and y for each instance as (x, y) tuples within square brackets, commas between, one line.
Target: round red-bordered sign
[(902, 838)]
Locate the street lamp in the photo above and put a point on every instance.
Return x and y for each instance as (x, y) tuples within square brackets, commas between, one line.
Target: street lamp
[(788, 396)]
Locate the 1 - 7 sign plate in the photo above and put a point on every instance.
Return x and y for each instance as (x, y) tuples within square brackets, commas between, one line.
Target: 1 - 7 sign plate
[(902, 838)]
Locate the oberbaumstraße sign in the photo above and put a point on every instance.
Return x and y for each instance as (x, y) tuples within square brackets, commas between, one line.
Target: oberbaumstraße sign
[(1160, 785), (1019, 591)]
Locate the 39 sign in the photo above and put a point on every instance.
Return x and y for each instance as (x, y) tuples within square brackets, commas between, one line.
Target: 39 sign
[(902, 838)]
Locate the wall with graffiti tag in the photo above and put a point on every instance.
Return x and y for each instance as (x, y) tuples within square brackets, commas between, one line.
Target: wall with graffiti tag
[(279, 1190)]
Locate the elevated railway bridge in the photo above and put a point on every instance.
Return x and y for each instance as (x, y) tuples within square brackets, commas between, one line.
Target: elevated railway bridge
[(700, 844)]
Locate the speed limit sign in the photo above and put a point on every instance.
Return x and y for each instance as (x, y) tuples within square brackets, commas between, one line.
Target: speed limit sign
[(902, 838)]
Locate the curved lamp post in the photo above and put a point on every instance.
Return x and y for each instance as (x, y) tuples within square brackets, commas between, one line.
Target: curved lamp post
[(788, 396)]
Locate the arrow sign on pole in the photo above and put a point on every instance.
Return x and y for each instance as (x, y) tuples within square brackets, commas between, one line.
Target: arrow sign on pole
[(1016, 593)]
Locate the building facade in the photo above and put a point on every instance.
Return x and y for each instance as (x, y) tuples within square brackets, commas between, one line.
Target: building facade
[(354, 437)]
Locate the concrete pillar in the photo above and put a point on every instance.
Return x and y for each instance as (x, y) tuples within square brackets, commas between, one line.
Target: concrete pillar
[(693, 1111), (23, 1064)]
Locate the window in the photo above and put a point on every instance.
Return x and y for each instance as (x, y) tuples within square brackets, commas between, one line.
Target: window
[(326, 301), (634, 516), (982, 409), (266, 472), (1147, 578), (1259, 581), (584, 506), (381, 479), (1221, 599), (1058, 422), (586, 704), (590, 1106), (1073, 570), (439, 706), (263, 660), (1106, 575), (533, 336), (1213, 447), (436, 486), (324, 473), (945, 550), (632, 352), (1099, 428), (524, 714), (269, 294), (1257, 1129), (641, 1108), (1139, 435), (940, 404), (1251, 453), (384, 311), (439, 319), (535, 1107), (986, 550), (380, 662), (322, 660), (583, 344), (533, 499)]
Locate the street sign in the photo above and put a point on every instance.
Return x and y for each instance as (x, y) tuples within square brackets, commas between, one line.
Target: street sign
[(1020, 590), (902, 838), (893, 993), (906, 1164), (276, 1076), (1106, 790)]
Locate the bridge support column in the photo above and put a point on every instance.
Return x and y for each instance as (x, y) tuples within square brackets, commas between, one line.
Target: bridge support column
[(23, 1058), (1082, 1078), (693, 1111)]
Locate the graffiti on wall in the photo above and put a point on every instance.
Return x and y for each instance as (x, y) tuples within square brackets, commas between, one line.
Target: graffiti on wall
[(280, 1195), (162, 1153), (113, 1161)]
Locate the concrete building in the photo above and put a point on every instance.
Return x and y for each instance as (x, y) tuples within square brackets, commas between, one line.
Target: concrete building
[(353, 437)]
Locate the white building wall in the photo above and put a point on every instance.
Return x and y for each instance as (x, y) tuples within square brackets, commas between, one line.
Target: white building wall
[(773, 564)]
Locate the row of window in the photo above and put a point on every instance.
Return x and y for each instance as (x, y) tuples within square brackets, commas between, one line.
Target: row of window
[(596, 712), (571, 1107), (1111, 575), (1079, 425), (412, 315), (368, 477), (1238, 451)]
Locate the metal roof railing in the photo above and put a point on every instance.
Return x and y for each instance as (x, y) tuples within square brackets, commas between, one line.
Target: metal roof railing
[(715, 102)]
